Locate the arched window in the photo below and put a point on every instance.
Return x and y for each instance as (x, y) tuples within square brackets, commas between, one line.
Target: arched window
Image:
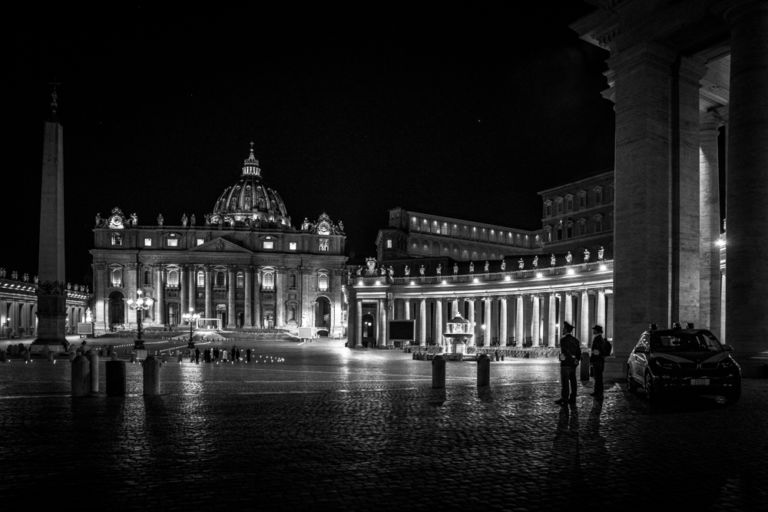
[(268, 283), (147, 278), (240, 280), (117, 277), (220, 279), (322, 281), (200, 278), (173, 278)]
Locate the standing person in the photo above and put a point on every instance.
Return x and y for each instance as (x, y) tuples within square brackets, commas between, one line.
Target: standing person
[(601, 348), (197, 355), (570, 354)]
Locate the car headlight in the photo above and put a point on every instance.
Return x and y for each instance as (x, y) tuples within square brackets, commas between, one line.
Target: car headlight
[(727, 364), (664, 364)]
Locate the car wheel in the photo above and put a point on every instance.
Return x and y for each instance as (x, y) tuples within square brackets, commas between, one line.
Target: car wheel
[(650, 392), (631, 384)]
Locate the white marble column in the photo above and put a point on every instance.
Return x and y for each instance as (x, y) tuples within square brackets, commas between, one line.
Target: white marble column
[(454, 308), (382, 330), (503, 321), (552, 321), (208, 292), (600, 313), (160, 296), (231, 314), (423, 323), (568, 316), (248, 299), (584, 327), (471, 318), (535, 317), (520, 322), (487, 322), (183, 294), (407, 306), (192, 288), (359, 327)]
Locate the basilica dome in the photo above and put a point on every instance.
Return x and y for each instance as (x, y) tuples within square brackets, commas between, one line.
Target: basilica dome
[(250, 202)]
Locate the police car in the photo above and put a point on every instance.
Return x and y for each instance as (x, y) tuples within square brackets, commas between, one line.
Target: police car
[(677, 360)]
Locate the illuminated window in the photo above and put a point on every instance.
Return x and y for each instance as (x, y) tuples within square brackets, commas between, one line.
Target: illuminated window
[(200, 278), (292, 246), (117, 239), (268, 244), (147, 242), (268, 283), (322, 281), (117, 277), (200, 241), (173, 242), (173, 278), (323, 244), (240, 280), (389, 243)]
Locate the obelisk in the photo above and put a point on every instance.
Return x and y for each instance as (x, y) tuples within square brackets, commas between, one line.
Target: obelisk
[(51, 290)]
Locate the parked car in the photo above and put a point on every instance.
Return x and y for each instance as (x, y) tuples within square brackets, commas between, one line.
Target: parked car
[(683, 361)]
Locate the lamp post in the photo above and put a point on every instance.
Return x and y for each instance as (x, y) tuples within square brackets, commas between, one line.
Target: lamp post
[(139, 304), (190, 317)]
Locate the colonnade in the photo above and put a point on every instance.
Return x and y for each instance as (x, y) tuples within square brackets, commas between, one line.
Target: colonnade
[(18, 318)]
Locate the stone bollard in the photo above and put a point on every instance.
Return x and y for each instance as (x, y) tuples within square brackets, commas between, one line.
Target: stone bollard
[(81, 376), (438, 372), (151, 376), (93, 358), (483, 371), (115, 377)]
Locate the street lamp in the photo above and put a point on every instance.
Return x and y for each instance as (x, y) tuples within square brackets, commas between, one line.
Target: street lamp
[(190, 317), (139, 304)]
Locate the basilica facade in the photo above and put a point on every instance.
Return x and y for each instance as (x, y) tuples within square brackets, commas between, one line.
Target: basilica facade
[(245, 267)]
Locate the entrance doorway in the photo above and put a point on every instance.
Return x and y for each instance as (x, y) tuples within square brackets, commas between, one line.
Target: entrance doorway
[(369, 331), (116, 309), (322, 316)]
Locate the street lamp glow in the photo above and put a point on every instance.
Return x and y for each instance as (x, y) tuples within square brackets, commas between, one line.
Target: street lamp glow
[(139, 304), (190, 317), (570, 271)]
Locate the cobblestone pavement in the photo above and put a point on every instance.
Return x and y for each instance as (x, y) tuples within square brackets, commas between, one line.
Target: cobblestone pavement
[(340, 429)]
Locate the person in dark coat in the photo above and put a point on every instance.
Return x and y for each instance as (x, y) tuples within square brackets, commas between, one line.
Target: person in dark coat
[(570, 355), (597, 360), (197, 355)]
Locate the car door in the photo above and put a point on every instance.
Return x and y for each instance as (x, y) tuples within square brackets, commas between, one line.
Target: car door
[(638, 360)]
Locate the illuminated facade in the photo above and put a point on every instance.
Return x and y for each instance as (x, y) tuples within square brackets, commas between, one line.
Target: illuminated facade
[(245, 268)]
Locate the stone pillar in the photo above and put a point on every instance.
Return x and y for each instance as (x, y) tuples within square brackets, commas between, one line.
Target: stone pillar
[(503, 321), (568, 315), (382, 330), (600, 314), (471, 318), (454, 308), (231, 313), (192, 287), (208, 292), (130, 285), (257, 300), (552, 321), (709, 222), (439, 321), (183, 293), (359, 327), (248, 305), (535, 319), (100, 296), (520, 322), (584, 327), (656, 189), (487, 322), (747, 180), (407, 306), (423, 323), (160, 296)]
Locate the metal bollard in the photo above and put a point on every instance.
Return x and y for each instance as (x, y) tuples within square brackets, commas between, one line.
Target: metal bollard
[(483, 371), (115, 377), (151, 376), (438, 372), (81, 376), (93, 358)]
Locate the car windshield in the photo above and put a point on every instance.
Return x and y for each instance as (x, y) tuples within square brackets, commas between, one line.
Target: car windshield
[(685, 342)]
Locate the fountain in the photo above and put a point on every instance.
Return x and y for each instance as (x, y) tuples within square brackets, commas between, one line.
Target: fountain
[(458, 331)]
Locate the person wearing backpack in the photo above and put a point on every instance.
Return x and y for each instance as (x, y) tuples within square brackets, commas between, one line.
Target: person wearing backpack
[(570, 355), (601, 348)]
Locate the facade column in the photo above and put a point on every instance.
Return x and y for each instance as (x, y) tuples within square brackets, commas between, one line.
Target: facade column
[(160, 298), (192, 279), (454, 308), (439, 321), (130, 287), (407, 306), (568, 317), (100, 296), (231, 314), (423, 323), (536, 321), (257, 321), (584, 327), (520, 322), (359, 326), (248, 305), (600, 314), (503, 321), (709, 222), (487, 322), (552, 321), (183, 293), (208, 292), (747, 180), (471, 318)]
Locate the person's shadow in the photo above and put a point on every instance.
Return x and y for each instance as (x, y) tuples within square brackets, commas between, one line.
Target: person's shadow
[(565, 477)]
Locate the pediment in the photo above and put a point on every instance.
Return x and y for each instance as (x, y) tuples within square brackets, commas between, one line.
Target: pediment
[(219, 244)]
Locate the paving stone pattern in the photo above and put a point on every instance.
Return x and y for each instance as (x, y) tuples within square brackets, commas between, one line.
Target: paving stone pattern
[(337, 429)]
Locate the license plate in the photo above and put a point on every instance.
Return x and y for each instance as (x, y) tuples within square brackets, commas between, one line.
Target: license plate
[(699, 382)]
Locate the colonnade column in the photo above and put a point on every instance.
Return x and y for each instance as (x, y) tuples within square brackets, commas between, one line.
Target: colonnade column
[(257, 301), (101, 300), (552, 321), (407, 306), (535, 315), (584, 327), (208, 292), (747, 179), (192, 288), (503, 321), (487, 322), (248, 306), (231, 315), (183, 294), (454, 308), (382, 334), (423, 323), (520, 322), (568, 316), (439, 321), (359, 327), (160, 298), (471, 318), (600, 313), (709, 222)]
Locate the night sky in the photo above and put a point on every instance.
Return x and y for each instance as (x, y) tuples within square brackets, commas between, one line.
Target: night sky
[(458, 113)]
